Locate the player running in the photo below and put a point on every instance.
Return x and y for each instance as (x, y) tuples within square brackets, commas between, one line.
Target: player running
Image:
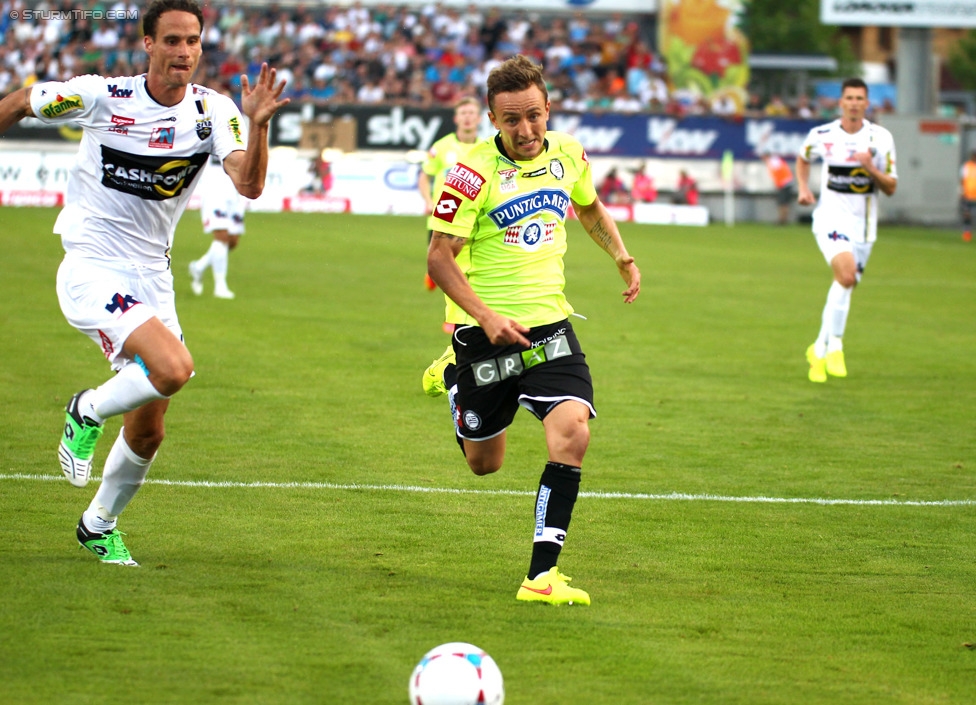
[(858, 162), (506, 202), (145, 140)]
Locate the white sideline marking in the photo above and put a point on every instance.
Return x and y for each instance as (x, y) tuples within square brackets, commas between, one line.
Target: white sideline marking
[(671, 496)]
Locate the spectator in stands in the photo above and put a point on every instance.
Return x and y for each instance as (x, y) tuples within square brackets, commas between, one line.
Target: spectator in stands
[(776, 108), (642, 190), (686, 192), (304, 38), (231, 17), (803, 109), (826, 108), (613, 190), (754, 107), (370, 93), (625, 103), (321, 91), (724, 104)]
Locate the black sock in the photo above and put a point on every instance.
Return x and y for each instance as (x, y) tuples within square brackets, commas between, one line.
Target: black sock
[(554, 502)]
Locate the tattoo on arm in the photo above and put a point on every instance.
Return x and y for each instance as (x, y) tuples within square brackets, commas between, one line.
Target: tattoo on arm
[(600, 233), (444, 236)]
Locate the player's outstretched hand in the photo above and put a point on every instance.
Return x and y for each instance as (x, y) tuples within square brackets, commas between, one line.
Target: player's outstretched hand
[(261, 102), (632, 278)]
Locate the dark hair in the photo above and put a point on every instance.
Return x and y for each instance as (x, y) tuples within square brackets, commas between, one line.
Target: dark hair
[(513, 76), (854, 83), (158, 7)]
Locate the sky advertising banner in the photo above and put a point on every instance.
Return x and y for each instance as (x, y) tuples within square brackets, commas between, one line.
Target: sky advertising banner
[(605, 134)]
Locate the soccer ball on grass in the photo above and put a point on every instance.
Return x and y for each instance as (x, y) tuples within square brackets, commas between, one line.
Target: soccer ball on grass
[(456, 674)]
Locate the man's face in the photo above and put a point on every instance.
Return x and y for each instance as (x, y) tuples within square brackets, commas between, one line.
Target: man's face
[(175, 50), (467, 117), (854, 103), (521, 119)]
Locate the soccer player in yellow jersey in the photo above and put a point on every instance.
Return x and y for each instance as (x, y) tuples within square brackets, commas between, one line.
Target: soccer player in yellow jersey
[(444, 154), (506, 203)]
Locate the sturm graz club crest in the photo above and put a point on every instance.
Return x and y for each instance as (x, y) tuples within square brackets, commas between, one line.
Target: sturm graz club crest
[(471, 420), (556, 167), (204, 128)]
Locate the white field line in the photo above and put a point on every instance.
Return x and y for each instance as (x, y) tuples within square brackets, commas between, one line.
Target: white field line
[(671, 496)]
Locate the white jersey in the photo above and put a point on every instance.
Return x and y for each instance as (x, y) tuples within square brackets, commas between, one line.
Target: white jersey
[(136, 164), (848, 194)]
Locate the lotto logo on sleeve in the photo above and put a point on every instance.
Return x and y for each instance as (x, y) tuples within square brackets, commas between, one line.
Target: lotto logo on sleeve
[(447, 206), (466, 181)]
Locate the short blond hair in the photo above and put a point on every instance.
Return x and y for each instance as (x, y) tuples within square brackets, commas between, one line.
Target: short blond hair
[(467, 100)]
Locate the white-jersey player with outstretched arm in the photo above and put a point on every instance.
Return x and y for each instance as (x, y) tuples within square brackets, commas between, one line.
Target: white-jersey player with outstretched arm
[(145, 141)]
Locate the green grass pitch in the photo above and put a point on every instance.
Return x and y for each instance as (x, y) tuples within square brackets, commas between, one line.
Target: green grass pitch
[(746, 536)]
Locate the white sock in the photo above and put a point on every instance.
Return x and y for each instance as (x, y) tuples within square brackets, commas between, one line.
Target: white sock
[(820, 344), (201, 264), (834, 344), (839, 301), (218, 255), (122, 477), (128, 390), (834, 318)]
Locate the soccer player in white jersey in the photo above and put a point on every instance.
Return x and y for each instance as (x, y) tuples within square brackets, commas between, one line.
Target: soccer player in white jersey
[(222, 212), (858, 164), (506, 202), (145, 140)]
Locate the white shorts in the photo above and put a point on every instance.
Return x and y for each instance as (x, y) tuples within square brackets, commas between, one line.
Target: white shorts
[(107, 302), (223, 214), (838, 234)]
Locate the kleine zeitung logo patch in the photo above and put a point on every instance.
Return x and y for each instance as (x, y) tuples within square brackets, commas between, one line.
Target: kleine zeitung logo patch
[(465, 180)]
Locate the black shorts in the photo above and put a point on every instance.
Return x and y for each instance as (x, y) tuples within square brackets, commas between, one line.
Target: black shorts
[(967, 209), (494, 380), (785, 195)]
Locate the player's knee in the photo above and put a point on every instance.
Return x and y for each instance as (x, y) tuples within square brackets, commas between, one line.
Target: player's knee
[(483, 466), (847, 279), (573, 432), (169, 376)]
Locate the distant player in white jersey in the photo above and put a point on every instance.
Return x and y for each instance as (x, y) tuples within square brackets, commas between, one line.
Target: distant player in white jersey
[(222, 211), (858, 163), (145, 140)]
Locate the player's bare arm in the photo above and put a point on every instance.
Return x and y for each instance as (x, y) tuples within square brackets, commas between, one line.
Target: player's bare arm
[(14, 108), (885, 182), (602, 229), (443, 269), (248, 169), (804, 196)]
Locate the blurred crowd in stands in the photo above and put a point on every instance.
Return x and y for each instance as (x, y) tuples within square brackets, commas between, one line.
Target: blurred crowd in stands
[(413, 56)]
